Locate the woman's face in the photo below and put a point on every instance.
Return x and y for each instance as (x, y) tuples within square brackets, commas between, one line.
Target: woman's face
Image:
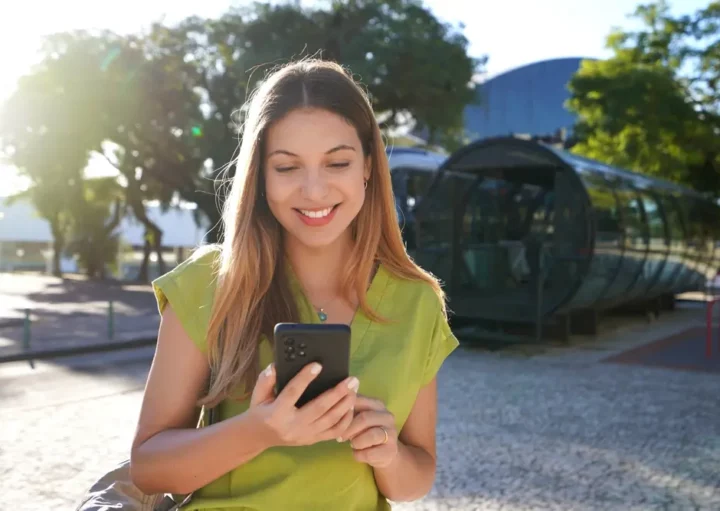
[(315, 171)]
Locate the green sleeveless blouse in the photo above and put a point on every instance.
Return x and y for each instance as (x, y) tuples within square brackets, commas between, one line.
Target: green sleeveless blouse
[(392, 361)]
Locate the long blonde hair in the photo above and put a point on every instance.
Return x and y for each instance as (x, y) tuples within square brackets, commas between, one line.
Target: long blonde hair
[(253, 292)]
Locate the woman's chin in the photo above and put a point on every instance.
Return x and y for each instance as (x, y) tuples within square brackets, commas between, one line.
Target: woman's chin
[(318, 239)]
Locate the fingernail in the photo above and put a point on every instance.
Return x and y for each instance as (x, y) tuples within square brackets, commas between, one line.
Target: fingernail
[(268, 370), (353, 384), (339, 439), (316, 368)]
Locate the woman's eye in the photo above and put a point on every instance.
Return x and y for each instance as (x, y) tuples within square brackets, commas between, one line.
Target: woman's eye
[(340, 165), (284, 169)]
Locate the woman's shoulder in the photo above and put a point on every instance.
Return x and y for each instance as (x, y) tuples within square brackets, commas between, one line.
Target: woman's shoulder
[(416, 301), (420, 293), (190, 288), (421, 319), (201, 263)]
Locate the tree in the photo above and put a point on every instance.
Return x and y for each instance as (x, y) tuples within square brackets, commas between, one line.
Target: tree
[(410, 62), (149, 110), (48, 130), (154, 114), (134, 102), (94, 239), (413, 66), (654, 107), (169, 102), (51, 199), (632, 115)]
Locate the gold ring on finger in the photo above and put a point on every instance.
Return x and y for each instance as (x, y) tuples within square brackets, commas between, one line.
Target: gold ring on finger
[(387, 437)]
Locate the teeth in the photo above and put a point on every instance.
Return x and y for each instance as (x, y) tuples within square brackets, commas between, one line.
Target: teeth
[(316, 214)]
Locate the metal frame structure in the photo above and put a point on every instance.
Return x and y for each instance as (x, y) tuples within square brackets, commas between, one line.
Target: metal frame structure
[(709, 326), (585, 236), (413, 171)]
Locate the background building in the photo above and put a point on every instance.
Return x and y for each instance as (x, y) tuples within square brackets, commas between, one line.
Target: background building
[(529, 100), (26, 240)]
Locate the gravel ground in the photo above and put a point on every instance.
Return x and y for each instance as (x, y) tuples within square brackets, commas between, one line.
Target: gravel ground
[(515, 432)]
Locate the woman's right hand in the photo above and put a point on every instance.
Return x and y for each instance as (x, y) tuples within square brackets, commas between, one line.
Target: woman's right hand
[(324, 418)]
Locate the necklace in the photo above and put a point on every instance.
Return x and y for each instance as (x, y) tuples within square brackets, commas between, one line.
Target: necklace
[(321, 314), (320, 311)]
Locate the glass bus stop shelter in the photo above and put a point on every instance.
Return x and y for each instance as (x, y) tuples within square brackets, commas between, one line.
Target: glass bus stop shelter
[(524, 233)]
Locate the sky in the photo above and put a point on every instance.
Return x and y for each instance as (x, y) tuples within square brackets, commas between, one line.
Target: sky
[(511, 32)]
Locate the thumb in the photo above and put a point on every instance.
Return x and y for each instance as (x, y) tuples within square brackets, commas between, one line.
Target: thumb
[(264, 387)]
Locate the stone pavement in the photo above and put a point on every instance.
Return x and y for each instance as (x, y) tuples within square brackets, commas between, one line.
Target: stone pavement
[(520, 429), (72, 312)]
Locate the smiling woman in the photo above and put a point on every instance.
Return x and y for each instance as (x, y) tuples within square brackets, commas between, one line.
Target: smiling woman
[(315, 176), (311, 235)]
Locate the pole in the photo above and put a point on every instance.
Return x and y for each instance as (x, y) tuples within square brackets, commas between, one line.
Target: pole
[(26, 336), (111, 321), (709, 328), (538, 296)]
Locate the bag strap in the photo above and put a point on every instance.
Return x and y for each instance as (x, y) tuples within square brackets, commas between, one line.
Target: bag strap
[(168, 503)]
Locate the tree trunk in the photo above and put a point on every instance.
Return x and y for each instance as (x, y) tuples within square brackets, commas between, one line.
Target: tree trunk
[(109, 228), (92, 271), (157, 247), (58, 244), (142, 275), (57, 254), (152, 232)]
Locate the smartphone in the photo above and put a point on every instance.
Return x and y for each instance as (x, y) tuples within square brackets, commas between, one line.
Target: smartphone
[(299, 344)]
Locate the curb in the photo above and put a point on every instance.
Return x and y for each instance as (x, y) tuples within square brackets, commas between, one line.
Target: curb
[(141, 342), (11, 322)]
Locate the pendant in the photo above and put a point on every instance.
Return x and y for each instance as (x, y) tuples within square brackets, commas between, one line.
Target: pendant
[(321, 314)]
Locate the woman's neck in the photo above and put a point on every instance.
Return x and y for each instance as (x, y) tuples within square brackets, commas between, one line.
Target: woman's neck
[(319, 270)]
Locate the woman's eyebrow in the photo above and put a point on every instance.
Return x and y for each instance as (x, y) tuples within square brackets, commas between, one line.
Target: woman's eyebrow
[(329, 151)]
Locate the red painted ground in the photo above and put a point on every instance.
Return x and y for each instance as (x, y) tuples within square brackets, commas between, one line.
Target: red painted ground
[(686, 350)]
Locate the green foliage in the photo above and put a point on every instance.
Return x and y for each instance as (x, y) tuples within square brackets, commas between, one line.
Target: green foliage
[(164, 107), (631, 115), (48, 129), (654, 106), (94, 240), (412, 65)]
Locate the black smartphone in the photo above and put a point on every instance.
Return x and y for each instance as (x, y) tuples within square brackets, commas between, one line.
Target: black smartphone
[(299, 344)]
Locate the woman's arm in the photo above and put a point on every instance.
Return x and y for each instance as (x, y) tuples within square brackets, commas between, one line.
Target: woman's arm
[(411, 474), (168, 453), (404, 466)]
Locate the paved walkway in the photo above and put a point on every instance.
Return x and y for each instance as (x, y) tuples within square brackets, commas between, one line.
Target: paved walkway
[(529, 428), (72, 312)]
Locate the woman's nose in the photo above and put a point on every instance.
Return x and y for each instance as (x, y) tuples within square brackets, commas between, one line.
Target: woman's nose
[(314, 185)]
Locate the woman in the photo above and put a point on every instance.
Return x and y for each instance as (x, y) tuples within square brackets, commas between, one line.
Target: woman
[(310, 235)]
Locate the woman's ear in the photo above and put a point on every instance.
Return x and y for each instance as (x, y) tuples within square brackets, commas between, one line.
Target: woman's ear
[(368, 168)]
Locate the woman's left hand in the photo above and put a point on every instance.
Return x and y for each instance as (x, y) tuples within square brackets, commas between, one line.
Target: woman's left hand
[(372, 433)]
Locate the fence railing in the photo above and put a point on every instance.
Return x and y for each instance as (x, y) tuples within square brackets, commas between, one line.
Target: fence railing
[(108, 342)]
